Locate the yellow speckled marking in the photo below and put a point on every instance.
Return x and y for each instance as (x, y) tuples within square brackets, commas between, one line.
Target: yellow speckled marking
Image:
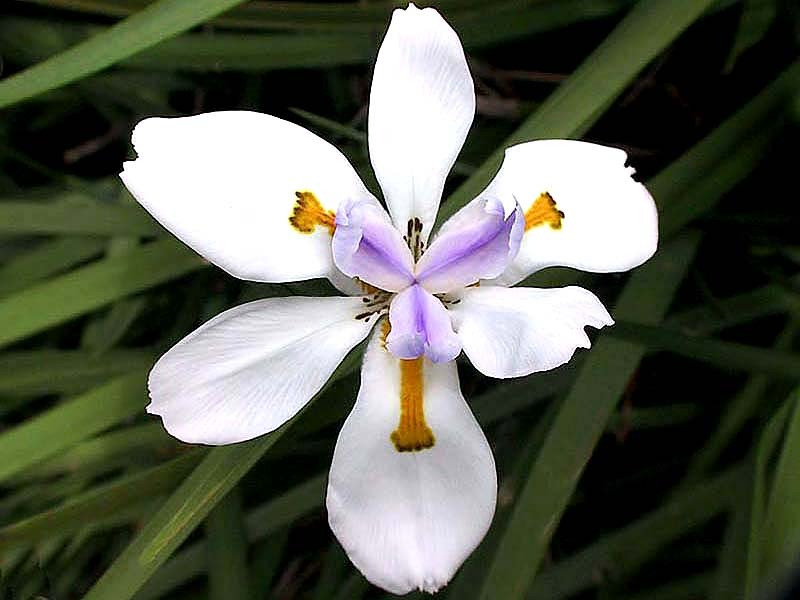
[(308, 214), (543, 210), (412, 433)]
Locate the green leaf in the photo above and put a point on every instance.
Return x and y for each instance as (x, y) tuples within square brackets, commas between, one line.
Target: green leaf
[(69, 422), (261, 522), (159, 21), (190, 504), (75, 214), (744, 405), (369, 17), (48, 258), (37, 372), (88, 288), (578, 425), (107, 450), (618, 553), (107, 505), (757, 17), (724, 355), (781, 533), (227, 550)]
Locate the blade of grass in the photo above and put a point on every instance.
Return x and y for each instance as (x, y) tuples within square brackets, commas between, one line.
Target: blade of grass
[(781, 532), (735, 310), (69, 422), (37, 372), (48, 258), (768, 440), (75, 215), (616, 553), (159, 21), (221, 469), (62, 298), (580, 422), (369, 17), (724, 355), (743, 407), (106, 505), (227, 550), (267, 557), (105, 449)]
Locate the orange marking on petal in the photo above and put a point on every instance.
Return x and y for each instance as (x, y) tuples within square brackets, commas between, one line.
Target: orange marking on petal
[(308, 214), (386, 328), (543, 210), (412, 433)]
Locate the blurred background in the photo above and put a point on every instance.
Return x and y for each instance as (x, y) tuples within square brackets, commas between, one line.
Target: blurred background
[(662, 464)]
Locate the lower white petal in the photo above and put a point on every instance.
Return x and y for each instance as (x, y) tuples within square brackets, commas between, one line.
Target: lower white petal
[(511, 332), (253, 367), (408, 519)]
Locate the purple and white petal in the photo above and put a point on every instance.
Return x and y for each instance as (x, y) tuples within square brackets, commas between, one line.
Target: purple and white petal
[(583, 208), (511, 332), (478, 242), (366, 245), (421, 325)]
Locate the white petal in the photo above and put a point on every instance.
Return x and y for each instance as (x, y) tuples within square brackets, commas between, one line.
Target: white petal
[(511, 332), (225, 183), (421, 106), (253, 367), (609, 220), (408, 520)]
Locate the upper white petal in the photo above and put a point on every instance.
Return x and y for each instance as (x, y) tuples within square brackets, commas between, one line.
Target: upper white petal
[(253, 367), (408, 520), (420, 109), (225, 184), (610, 221), (511, 332)]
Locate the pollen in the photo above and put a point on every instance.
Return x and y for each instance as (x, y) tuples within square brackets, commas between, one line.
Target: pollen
[(412, 433), (543, 210), (308, 214)]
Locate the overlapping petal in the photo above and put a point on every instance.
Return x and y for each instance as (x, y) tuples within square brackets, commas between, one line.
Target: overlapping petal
[(421, 106), (478, 242), (251, 368), (408, 520), (421, 325), (514, 332), (366, 245), (601, 219), (227, 184)]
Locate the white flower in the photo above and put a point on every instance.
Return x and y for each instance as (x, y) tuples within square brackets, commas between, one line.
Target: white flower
[(412, 485)]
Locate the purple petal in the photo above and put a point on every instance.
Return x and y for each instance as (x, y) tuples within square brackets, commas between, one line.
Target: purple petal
[(366, 245), (421, 325), (477, 243)]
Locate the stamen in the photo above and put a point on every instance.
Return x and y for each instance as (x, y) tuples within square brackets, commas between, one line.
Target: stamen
[(412, 433), (413, 238), (308, 214), (367, 288), (543, 210)]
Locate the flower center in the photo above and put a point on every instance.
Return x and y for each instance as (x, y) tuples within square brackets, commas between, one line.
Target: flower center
[(413, 238)]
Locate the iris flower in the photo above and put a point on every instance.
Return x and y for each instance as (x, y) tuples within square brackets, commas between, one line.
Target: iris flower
[(412, 484)]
